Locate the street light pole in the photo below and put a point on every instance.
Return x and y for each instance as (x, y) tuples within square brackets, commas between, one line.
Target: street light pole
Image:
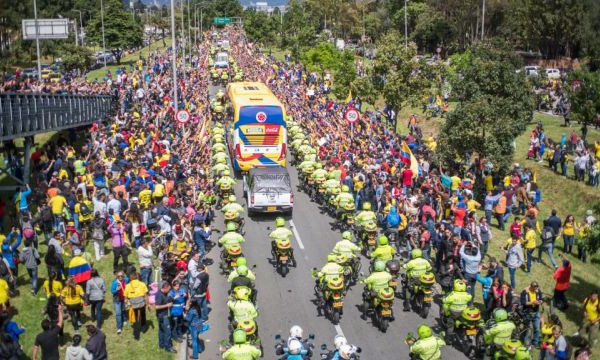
[(405, 25), (103, 40), (183, 42), (174, 55), (189, 25), (482, 19), (37, 41), (80, 27)]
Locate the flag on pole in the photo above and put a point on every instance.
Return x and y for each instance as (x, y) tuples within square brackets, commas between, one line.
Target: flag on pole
[(405, 153), (349, 98)]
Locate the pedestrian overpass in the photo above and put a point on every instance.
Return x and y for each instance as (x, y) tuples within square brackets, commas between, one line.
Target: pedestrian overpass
[(26, 115)]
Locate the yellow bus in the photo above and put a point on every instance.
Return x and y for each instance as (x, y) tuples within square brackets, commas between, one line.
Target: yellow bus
[(259, 134)]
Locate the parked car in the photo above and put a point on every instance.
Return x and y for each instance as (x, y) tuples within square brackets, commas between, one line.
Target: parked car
[(46, 74), (55, 77), (532, 70), (553, 73), (269, 190), (29, 73)]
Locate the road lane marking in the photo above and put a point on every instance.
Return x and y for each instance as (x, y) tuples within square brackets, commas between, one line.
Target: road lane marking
[(338, 330), (296, 235)]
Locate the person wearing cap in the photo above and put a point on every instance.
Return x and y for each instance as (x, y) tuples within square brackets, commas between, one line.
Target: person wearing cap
[(120, 250), (531, 301)]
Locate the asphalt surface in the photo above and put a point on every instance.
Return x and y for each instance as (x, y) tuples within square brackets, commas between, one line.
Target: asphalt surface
[(284, 302)]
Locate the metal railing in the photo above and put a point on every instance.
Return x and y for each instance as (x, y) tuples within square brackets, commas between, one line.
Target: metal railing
[(29, 114)]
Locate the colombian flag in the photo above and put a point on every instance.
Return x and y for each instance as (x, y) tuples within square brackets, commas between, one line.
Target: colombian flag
[(407, 157), (79, 269)]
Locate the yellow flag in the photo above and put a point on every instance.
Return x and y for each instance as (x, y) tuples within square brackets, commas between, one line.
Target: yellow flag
[(349, 98)]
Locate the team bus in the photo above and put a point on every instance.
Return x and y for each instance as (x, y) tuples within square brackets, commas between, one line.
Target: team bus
[(259, 135)]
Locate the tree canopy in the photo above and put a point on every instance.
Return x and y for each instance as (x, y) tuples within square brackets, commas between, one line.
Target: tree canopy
[(495, 103)]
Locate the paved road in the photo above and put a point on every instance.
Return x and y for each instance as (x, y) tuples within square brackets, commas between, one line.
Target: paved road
[(283, 302)]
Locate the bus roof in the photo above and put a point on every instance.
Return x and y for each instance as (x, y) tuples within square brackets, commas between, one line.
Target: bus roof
[(251, 93)]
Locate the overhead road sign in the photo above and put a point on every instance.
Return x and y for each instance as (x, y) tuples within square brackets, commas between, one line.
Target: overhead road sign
[(222, 20), (47, 29)]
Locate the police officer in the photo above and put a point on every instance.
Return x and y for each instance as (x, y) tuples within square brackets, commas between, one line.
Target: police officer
[(279, 235), (240, 350), (427, 347), (384, 251), (500, 332), (455, 302), (416, 267), (346, 247)]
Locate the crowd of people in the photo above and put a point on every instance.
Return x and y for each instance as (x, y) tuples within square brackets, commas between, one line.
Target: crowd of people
[(435, 209), (136, 183), (139, 184)]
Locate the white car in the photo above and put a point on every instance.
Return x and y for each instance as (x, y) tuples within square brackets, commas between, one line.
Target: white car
[(553, 73), (532, 70), (268, 190)]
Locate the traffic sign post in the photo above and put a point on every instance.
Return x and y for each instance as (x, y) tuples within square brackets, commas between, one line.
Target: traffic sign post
[(352, 115), (222, 20), (182, 116)]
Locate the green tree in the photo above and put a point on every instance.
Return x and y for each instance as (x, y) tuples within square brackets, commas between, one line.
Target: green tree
[(400, 77), (298, 32), (260, 27), (75, 57), (120, 30), (344, 74), (494, 106), (583, 88), (432, 30)]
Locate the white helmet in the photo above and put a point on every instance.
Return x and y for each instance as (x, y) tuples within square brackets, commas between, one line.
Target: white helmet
[(339, 340), (345, 351), (296, 332), (294, 347)]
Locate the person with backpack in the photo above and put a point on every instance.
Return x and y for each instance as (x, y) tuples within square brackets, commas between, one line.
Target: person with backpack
[(548, 237), (10, 254), (84, 213), (98, 227)]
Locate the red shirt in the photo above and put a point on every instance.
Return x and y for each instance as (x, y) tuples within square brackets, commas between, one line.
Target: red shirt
[(407, 177), (459, 216)]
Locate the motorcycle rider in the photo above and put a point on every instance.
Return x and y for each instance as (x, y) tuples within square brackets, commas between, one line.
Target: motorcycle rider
[(225, 181), (416, 267), (240, 350), (330, 270), (346, 247), (220, 163), (427, 347), (231, 237), (236, 209), (500, 332), (377, 280), (455, 302), (279, 235), (296, 334), (241, 309), (241, 261), (365, 216), (343, 198), (319, 174), (384, 251)]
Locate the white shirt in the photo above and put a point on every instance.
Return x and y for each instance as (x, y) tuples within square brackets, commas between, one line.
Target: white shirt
[(145, 256)]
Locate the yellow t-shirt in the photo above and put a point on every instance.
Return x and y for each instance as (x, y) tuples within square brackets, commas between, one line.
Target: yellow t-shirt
[(530, 239), (3, 291), (455, 183), (159, 190), (56, 288), (135, 289), (569, 229), (145, 197), (72, 298), (57, 203), (89, 216), (532, 296), (473, 205), (591, 309), (489, 183), (63, 174), (597, 148)]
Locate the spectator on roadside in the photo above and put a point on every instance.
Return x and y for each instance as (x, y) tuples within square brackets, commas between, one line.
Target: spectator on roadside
[(48, 341), (117, 289), (163, 302), (136, 295), (514, 260), (531, 301), (562, 275), (76, 351), (95, 289), (145, 256), (96, 343), (588, 331), (30, 257)]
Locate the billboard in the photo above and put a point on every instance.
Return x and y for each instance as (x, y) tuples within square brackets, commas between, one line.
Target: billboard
[(47, 29)]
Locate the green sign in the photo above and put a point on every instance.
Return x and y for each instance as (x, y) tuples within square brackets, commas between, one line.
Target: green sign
[(222, 20)]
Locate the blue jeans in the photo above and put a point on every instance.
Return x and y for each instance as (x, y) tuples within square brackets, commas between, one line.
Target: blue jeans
[(568, 241), (203, 308), (146, 275), (119, 313), (532, 320), (488, 216), (96, 309), (513, 281), (164, 333), (548, 249), (507, 214), (176, 326), (197, 345), (34, 278), (529, 257)]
